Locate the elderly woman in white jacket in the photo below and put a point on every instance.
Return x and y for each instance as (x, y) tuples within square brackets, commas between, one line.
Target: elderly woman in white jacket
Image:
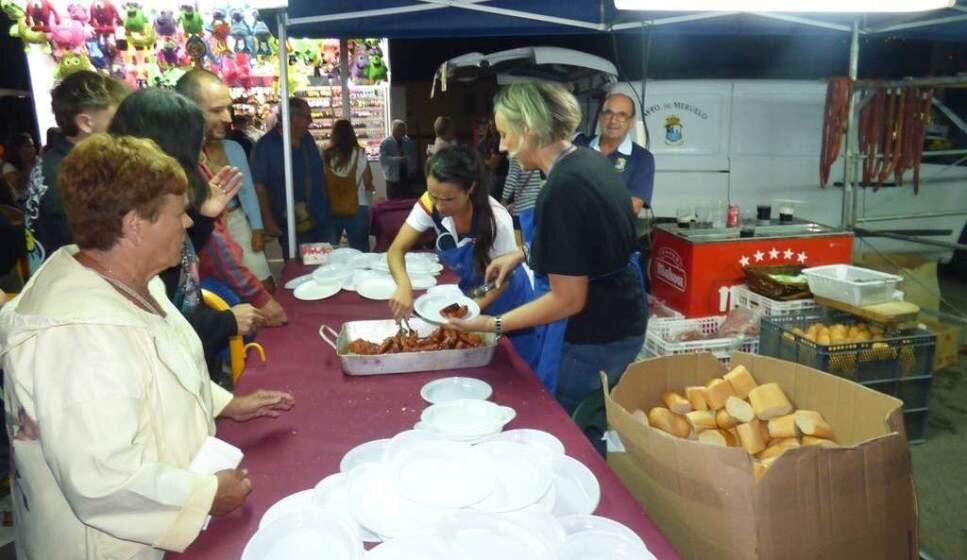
[(107, 395)]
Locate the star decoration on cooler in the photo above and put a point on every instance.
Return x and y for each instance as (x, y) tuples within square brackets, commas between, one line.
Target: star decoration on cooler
[(759, 255), (802, 257), (788, 254), (744, 261), (774, 254)]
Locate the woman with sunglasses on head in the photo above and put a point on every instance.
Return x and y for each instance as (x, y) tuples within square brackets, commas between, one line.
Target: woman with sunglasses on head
[(472, 229)]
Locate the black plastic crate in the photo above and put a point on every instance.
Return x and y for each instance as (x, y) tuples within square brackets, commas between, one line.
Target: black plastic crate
[(898, 355), (915, 422), (913, 391)]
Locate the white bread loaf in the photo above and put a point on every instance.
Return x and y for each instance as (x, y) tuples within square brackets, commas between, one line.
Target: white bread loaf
[(718, 437), (676, 403), (769, 401), (668, 422), (739, 409), (812, 423), (717, 393), (724, 420), (741, 380), (701, 420), (782, 427), (750, 435), (696, 396)]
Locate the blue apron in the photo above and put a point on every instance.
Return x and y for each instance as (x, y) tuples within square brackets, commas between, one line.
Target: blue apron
[(552, 334), (460, 260)]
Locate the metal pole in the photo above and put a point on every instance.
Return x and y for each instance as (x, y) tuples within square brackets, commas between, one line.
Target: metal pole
[(850, 192), (286, 136), (923, 215), (912, 239), (344, 78)]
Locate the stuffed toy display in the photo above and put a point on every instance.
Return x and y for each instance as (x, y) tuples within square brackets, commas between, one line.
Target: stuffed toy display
[(377, 70), (165, 24), (241, 33), (263, 38), (220, 30), (21, 28), (68, 35), (72, 62), (38, 14), (360, 62), (105, 19), (191, 21)]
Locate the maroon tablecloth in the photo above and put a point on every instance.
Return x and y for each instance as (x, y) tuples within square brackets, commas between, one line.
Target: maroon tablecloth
[(335, 412)]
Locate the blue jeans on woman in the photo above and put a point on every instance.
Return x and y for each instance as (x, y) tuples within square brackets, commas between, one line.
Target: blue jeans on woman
[(580, 364), (356, 228)]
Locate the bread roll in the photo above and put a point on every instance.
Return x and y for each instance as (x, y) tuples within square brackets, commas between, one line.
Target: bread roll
[(668, 422), (782, 427), (778, 448), (717, 392), (811, 423), (696, 396), (676, 403), (717, 437), (759, 469), (724, 421), (739, 409), (809, 441), (741, 380), (701, 420), (640, 416), (769, 401), (750, 435)]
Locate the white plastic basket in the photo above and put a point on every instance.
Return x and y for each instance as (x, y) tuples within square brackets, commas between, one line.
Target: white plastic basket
[(657, 341), (853, 285), (663, 311), (746, 298)]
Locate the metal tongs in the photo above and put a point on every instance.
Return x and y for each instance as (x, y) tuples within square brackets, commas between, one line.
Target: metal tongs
[(481, 290), (405, 328)]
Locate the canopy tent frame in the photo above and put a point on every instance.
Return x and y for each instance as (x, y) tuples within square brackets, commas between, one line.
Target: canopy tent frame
[(850, 192)]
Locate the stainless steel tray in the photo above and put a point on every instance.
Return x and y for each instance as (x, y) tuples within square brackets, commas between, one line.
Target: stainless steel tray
[(377, 331)]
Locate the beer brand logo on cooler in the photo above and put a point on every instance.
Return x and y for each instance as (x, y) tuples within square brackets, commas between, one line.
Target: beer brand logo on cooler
[(669, 269)]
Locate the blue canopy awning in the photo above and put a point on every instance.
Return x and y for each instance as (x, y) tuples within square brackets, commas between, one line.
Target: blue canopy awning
[(488, 18)]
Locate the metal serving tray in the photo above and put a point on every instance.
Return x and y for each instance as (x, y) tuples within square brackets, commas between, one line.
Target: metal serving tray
[(404, 362)]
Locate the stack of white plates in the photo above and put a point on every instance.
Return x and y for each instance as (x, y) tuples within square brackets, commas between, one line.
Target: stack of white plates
[(333, 273), (468, 420), (343, 256)]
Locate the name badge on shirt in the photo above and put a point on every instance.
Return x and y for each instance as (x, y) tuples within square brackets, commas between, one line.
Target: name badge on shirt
[(620, 164)]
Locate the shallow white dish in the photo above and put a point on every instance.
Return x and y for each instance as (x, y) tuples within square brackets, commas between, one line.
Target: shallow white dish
[(537, 439), (577, 489), (471, 439), (331, 495), (344, 255), (523, 476), (573, 524), (428, 306), (453, 388), (312, 291), (300, 502), (331, 273), (410, 548), (378, 288), (423, 266), (298, 281), (443, 474), (377, 505), (600, 545), (304, 536), (369, 452), (420, 282), (467, 417)]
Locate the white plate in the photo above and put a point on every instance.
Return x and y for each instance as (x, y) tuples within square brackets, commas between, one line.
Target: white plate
[(453, 388), (300, 502), (577, 489), (523, 476), (466, 417), (380, 265), (376, 288), (476, 536), (332, 496), (443, 474), (377, 505), (573, 524), (344, 256), (369, 452), (405, 439), (422, 266), (472, 439), (419, 282), (298, 281), (537, 439), (445, 290), (312, 291), (304, 536), (410, 548), (331, 273), (361, 261), (428, 306), (539, 524), (599, 545)]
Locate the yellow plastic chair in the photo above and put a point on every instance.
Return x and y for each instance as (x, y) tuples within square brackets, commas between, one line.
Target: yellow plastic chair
[(236, 345)]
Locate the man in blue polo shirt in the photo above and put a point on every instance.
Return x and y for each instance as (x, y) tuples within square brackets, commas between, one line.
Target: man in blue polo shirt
[(635, 164)]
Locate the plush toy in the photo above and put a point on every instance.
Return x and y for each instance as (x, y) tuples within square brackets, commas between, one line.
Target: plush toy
[(72, 62), (168, 53), (66, 36), (21, 28), (197, 50), (360, 64), (165, 24), (241, 33), (79, 13), (96, 55), (191, 20), (140, 34), (263, 38), (105, 19), (373, 48), (38, 14), (377, 70), (220, 29)]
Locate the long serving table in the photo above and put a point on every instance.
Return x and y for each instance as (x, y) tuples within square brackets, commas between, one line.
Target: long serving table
[(335, 412)]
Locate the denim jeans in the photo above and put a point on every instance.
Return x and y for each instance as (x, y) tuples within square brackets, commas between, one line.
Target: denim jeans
[(356, 228), (580, 364)]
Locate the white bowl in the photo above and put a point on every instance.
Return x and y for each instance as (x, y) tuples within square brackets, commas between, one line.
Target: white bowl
[(467, 417)]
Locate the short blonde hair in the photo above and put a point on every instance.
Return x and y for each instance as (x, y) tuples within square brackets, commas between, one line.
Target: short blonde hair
[(548, 110)]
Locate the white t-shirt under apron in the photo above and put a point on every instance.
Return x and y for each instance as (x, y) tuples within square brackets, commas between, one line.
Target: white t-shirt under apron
[(504, 240)]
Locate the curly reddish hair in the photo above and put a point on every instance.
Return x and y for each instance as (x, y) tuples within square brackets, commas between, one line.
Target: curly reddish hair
[(104, 177)]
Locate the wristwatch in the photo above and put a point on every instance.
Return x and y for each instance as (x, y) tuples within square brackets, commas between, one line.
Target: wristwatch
[(498, 326)]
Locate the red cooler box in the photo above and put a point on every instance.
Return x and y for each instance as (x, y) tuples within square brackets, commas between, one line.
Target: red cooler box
[(692, 270)]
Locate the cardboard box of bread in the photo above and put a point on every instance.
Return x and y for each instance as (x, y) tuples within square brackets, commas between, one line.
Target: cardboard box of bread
[(770, 459)]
